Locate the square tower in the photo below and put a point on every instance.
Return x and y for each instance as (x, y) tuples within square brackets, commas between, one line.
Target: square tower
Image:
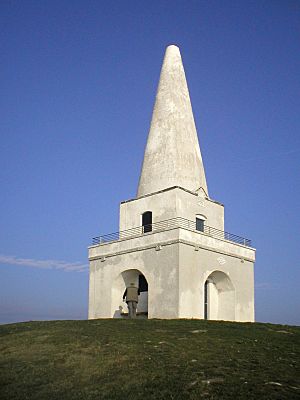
[(172, 242)]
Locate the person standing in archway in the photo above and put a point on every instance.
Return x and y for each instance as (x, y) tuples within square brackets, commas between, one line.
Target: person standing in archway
[(132, 297)]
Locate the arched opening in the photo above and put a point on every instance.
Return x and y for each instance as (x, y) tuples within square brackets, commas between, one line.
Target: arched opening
[(219, 297), (119, 307), (147, 221)]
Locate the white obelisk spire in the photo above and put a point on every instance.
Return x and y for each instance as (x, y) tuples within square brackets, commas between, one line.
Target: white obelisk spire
[(172, 155)]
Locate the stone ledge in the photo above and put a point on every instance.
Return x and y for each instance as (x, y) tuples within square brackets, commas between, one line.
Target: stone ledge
[(168, 243), (171, 188)]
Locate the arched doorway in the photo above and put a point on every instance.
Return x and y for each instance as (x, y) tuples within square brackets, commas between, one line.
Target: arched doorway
[(119, 308), (219, 297)]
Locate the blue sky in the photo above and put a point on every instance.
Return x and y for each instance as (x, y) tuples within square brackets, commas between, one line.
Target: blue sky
[(78, 82)]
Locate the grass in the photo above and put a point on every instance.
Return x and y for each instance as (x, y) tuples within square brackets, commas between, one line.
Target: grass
[(148, 359)]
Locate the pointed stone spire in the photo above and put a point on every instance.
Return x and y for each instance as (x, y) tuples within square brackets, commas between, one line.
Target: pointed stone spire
[(172, 155)]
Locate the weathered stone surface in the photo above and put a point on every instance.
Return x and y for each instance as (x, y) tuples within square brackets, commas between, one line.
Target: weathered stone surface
[(172, 154)]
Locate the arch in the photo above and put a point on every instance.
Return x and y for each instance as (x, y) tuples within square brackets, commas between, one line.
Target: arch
[(219, 297), (122, 281)]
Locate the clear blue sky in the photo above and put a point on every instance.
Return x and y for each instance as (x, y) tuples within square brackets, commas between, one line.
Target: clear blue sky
[(78, 81)]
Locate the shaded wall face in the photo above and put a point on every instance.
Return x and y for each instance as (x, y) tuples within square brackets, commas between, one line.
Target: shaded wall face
[(221, 297), (143, 303), (226, 306), (212, 301), (190, 206), (226, 302)]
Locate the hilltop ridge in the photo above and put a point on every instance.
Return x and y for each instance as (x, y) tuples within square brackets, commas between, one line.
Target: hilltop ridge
[(149, 359)]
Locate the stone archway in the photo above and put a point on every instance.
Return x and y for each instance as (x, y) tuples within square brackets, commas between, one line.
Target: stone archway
[(123, 280), (219, 297)]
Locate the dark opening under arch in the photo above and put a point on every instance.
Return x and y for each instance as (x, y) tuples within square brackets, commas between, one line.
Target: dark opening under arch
[(205, 301), (143, 284)]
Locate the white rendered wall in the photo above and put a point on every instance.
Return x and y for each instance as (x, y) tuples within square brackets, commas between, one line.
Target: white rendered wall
[(176, 275), (196, 266), (171, 203)]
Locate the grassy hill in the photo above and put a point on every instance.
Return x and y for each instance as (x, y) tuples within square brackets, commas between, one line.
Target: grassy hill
[(148, 359)]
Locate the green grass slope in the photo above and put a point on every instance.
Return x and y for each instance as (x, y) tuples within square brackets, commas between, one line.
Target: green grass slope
[(148, 359)]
